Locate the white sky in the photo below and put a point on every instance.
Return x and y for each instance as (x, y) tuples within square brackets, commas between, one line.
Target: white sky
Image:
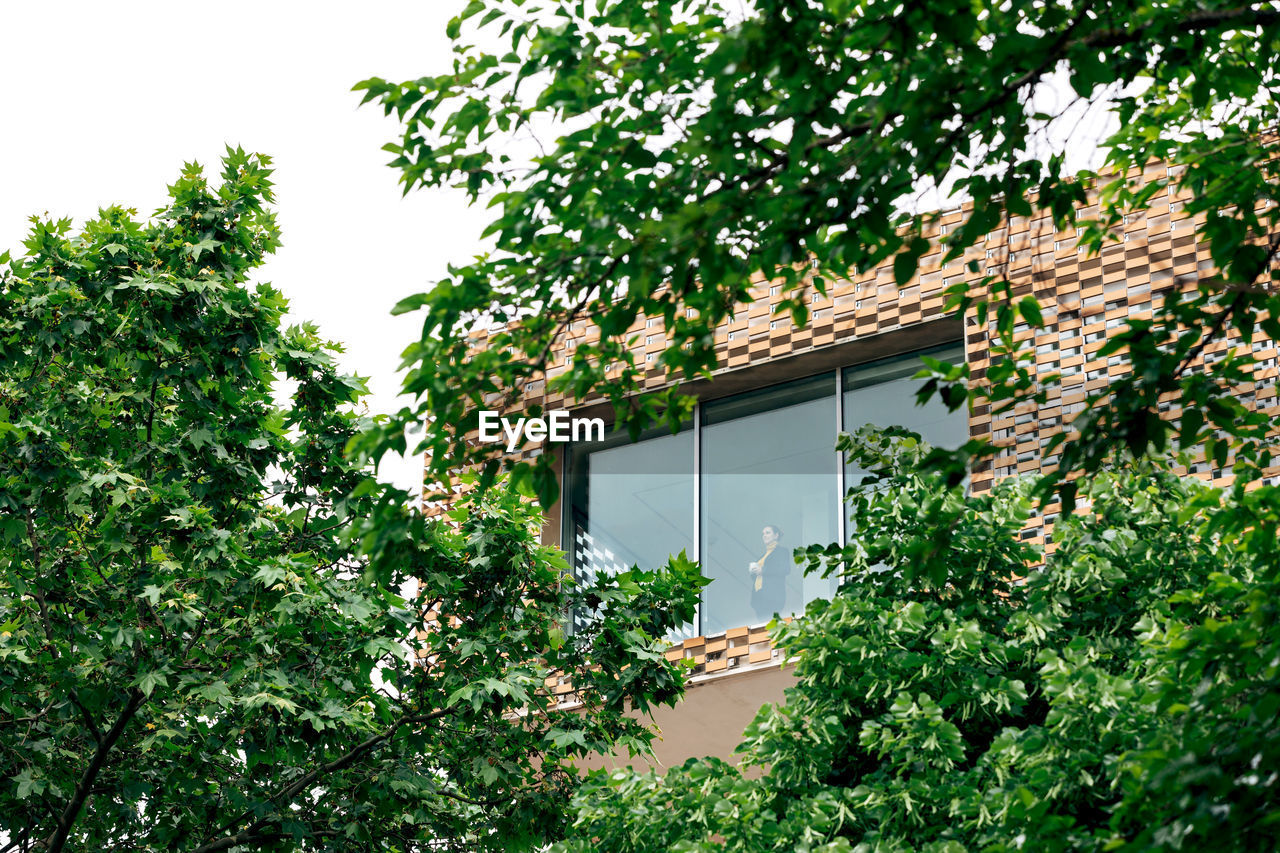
[(102, 103)]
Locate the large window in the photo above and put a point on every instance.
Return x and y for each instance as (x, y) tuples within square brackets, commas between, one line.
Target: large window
[(768, 486), (753, 478), (631, 504)]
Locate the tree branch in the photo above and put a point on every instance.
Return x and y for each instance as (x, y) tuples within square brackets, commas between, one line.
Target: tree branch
[(1243, 17), (253, 830), (37, 555), (58, 839), (84, 714)]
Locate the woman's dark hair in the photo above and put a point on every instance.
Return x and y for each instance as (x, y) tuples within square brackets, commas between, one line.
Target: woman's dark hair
[(776, 529)]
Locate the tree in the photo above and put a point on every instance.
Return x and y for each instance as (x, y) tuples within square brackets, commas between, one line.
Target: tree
[(1126, 696), (701, 144), (203, 645)]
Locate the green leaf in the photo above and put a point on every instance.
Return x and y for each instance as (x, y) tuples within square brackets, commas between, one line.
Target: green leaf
[(1029, 308), (148, 681)]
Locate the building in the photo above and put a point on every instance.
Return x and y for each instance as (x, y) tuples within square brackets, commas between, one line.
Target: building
[(754, 475)]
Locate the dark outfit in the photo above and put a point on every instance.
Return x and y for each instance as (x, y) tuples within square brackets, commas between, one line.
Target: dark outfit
[(771, 597)]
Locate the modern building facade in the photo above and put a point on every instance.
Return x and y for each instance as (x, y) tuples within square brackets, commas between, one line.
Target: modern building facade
[(754, 475)]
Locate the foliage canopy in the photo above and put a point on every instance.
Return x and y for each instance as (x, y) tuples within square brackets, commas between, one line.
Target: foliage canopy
[(203, 641), (1125, 697), (699, 145)]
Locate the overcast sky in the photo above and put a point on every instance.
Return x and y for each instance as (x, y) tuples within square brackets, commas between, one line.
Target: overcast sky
[(103, 103)]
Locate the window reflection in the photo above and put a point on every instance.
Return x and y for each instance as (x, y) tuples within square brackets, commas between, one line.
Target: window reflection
[(631, 504), (768, 487), (883, 394)]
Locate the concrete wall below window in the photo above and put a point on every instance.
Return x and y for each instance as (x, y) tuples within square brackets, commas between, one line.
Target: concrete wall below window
[(710, 720)]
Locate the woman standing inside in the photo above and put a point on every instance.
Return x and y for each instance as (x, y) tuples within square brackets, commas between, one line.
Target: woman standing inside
[(769, 573)]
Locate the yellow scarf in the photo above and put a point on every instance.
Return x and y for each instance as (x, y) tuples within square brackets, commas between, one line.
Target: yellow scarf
[(760, 565)]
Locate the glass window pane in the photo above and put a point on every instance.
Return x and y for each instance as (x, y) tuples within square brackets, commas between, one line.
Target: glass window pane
[(768, 487), (631, 504), (883, 394)]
